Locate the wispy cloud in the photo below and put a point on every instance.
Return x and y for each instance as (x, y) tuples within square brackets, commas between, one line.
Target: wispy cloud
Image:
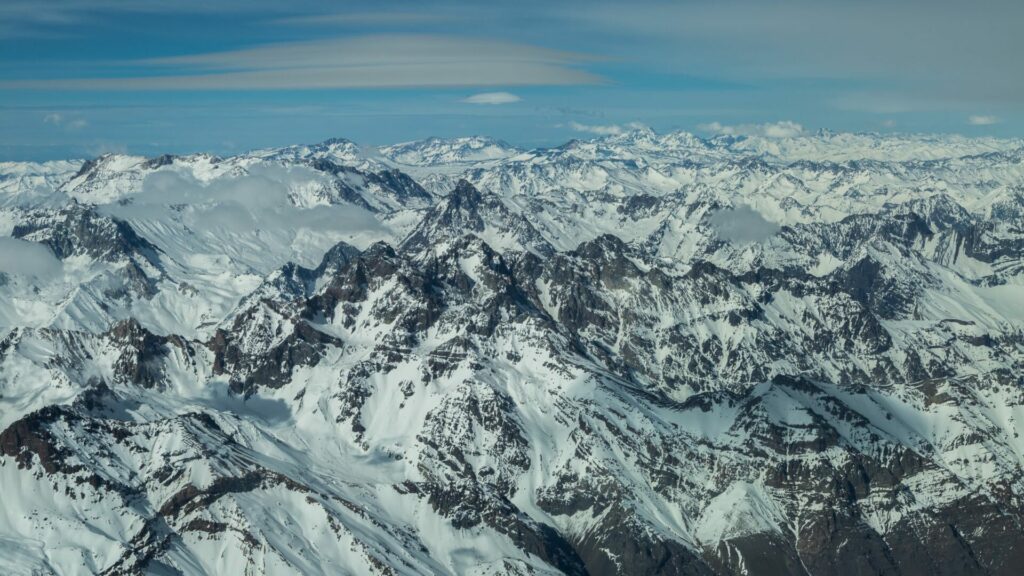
[(362, 18), (492, 98), (380, 61), (982, 120), (903, 48), (19, 18), (782, 129), (606, 129), (60, 120), (31, 18)]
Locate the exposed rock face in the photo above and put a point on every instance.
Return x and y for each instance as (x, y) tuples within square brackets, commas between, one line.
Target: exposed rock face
[(467, 210), (470, 392), (81, 231)]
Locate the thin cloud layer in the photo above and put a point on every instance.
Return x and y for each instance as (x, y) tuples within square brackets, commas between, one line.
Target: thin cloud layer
[(381, 61), (901, 48), (361, 19)]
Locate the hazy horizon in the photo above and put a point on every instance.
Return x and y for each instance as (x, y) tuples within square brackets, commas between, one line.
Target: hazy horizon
[(83, 77)]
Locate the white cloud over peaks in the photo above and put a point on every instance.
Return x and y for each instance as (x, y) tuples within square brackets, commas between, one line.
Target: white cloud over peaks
[(492, 98), (782, 129), (606, 129), (982, 120)]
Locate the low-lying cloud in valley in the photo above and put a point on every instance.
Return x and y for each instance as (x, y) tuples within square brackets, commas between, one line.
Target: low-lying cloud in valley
[(742, 225), (268, 198), (29, 259)]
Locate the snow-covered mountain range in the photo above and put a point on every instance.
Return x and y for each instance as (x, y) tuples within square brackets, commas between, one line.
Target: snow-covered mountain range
[(639, 354)]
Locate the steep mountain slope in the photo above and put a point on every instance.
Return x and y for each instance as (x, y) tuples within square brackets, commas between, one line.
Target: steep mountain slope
[(454, 357)]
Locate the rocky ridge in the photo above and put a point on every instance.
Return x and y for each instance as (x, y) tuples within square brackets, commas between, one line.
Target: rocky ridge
[(521, 362)]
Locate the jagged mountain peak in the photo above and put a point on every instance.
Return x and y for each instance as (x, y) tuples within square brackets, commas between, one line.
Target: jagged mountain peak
[(440, 151), (80, 229), (464, 196), (336, 258), (571, 360), (605, 245), (466, 209), (339, 150)]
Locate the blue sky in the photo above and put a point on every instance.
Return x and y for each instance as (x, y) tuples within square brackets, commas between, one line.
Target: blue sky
[(83, 77)]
